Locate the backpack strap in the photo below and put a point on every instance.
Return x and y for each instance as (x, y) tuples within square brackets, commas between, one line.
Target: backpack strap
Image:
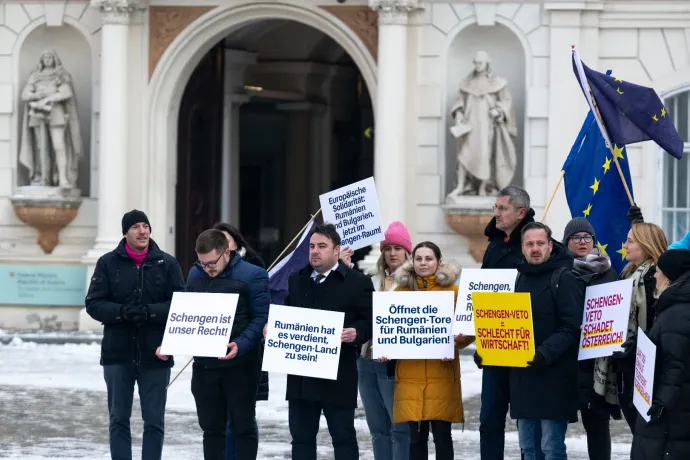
[(517, 280), (555, 280)]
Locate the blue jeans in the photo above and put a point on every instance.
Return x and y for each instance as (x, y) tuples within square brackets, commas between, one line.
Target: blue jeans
[(230, 440), (119, 380), (492, 415), (390, 441), (552, 438)]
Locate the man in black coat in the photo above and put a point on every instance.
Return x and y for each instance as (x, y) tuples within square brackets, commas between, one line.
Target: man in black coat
[(511, 213), (667, 434), (545, 393), (130, 293), (228, 385), (327, 284)]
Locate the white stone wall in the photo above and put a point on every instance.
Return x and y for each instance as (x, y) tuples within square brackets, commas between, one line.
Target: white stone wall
[(17, 21), (644, 42)]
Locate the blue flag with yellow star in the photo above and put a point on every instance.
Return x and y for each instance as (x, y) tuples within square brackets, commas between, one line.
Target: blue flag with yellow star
[(594, 189), (631, 113)]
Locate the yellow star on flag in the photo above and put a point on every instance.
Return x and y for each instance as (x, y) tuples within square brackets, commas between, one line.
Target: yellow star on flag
[(602, 248), (607, 165), (618, 79), (655, 118), (588, 210), (623, 252), (618, 152), (618, 90), (663, 112), (595, 186)]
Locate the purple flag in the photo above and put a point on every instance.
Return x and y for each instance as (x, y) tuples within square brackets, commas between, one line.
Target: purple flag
[(294, 261)]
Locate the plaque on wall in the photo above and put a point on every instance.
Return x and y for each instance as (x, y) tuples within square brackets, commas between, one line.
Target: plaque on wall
[(47, 285)]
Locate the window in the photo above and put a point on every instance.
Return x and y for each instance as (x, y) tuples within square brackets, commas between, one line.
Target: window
[(675, 211)]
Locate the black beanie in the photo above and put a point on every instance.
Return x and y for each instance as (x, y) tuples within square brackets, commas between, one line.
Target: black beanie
[(674, 263), (133, 217), (577, 225)]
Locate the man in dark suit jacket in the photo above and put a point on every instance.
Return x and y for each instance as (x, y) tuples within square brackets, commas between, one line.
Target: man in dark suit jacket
[(327, 284)]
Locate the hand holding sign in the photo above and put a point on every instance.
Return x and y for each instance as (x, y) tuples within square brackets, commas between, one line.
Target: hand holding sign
[(233, 351), (349, 335)]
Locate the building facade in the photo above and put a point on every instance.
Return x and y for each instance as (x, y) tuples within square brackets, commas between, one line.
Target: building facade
[(245, 111)]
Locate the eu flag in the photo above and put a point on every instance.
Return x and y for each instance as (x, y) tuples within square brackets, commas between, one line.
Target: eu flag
[(630, 112), (594, 190), (296, 260)]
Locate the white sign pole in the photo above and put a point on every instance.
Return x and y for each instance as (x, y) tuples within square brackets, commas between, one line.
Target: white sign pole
[(303, 341), (478, 280), (199, 324), (354, 210), (605, 319), (413, 325)]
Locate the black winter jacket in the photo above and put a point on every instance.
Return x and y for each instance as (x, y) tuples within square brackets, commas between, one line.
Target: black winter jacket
[(225, 283), (262, 394), (669, 437), (344, 290), (550, 393), (117, 281), (500, 254)]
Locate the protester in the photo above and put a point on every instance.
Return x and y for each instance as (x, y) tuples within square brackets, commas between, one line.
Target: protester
[(236, 242), (130, 293), (596, 405), (428, 394), (390, 441), (511, 213), (645, 243), (228, 384), (329, 285), (239, 244), (667, 435), (545, 392)]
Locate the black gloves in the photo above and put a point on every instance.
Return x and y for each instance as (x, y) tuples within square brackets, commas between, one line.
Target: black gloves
[(538, 362), (137, 314), (655, 411), (635, 215), (628, 349), (478, 360)]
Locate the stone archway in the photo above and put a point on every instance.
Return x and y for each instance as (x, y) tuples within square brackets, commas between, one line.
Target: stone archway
[(176, 65)]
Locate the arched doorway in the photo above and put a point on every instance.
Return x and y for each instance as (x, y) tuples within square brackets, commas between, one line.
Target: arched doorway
[(275, 114), (173, 72)]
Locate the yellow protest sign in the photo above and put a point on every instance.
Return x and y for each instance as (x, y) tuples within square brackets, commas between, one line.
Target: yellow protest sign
[(503, 327)]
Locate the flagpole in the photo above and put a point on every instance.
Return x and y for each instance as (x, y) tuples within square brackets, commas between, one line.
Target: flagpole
[(553, 194), (294, 239), (269, 269)]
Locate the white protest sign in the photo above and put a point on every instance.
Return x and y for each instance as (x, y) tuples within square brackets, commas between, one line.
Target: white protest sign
[(354, 210), (413, 325), (478, 280), (303, 341), (605, 319), (645, 361), (199, 324)]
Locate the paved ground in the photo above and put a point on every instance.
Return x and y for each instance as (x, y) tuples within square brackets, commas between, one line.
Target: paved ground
[(53, 406)]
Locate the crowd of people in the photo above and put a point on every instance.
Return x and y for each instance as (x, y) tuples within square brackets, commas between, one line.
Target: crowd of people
[(404, 400)]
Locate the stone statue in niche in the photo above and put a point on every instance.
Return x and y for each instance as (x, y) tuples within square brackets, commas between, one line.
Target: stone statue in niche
[(484, 126), (51, 145)]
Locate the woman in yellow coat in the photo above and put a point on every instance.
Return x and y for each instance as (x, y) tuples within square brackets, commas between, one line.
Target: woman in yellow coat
[(427, 391)]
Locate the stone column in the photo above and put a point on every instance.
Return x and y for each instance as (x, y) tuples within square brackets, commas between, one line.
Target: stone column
[(391, 114), (112, 138)]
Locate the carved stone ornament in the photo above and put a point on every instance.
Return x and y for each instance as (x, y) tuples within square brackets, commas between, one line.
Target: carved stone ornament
[(362, 20), (48, 210), (165, 24), (469, 219), (118, 11), (394, 11)]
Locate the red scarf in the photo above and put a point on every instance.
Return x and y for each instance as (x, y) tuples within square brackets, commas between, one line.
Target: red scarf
[(137, 257)]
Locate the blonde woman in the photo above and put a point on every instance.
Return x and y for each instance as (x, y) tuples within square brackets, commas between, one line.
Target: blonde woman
[(390, 441), (644, 245)]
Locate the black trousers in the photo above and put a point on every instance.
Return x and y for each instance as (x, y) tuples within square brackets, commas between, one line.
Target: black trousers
[(219, 392), (626, 383), (419, 440), (596, 423), (304, 419)]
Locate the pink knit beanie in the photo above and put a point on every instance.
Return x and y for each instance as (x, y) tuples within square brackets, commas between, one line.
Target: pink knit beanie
[(397, 234)]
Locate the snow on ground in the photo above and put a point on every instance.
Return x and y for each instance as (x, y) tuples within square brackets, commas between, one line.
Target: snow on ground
[(52, 400)]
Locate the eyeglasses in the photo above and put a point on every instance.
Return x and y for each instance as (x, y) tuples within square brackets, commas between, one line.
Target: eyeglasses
[(210, 264), (579, 238)]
